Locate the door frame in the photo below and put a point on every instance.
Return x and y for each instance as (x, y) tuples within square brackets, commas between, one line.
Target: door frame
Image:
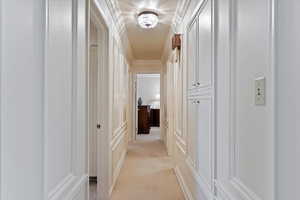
[(97, 18), (134, 102)]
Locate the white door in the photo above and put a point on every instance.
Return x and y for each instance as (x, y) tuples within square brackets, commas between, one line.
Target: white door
[(100, 122), (93, 110), (192, 54)]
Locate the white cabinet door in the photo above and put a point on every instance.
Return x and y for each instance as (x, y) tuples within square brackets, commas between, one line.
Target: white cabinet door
[(204, 64), (192, 54), (192, 138), (203, 131)]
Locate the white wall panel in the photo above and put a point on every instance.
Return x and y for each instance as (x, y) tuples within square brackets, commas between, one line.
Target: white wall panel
[(38, 86), (22, 30), (65, 100), (253, 124), (119, 132), (59, 75), (245, 131), (204, 136), (204, 70), (287, 99)]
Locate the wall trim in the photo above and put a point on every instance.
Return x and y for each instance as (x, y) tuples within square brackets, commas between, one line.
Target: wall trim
[(79, 185), (183, 151), (223, 194), (62, 187), (180, 13), (117, 171), (205, 186), (147, 62), (247, 193), (118, 136), (186, 191)]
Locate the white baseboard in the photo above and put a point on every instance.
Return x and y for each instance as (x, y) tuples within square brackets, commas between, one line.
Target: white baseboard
[(117, 172), (187, 193)]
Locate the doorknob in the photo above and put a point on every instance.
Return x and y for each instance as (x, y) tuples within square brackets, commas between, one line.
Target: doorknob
[(98, 126)]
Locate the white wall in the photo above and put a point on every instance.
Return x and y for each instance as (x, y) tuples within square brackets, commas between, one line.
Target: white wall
[(146, 66), (287, 99), (148, 88), (65, 100), (118, 134), (251, 134), (43, 100), (244, 144), (21, 111)]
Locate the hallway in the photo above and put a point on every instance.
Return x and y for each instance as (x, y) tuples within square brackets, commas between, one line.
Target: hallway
[(147, 172), (227, 106)]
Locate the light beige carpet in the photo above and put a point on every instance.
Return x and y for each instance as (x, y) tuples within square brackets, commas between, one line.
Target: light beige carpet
[(147, 173)]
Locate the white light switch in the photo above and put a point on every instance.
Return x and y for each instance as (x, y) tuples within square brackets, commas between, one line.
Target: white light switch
[(260, 91)]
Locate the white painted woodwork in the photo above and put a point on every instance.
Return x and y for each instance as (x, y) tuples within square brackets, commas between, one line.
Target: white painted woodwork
[(93, 98), (200, 112), (118, 143), (43, 131), (58, 95), (226, 45), (203, 68), (65, 131), (252, 126), (170, 108), (191, 129), (22, 31), (204, 138), (230, 44), (113, 137), (287, 99), (192, 54)]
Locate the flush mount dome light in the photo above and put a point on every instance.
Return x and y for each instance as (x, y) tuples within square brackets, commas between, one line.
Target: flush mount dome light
[(148, 19)]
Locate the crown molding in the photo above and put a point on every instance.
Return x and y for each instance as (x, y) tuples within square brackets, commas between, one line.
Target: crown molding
[(116, 14), (167, 47), (180, 13)]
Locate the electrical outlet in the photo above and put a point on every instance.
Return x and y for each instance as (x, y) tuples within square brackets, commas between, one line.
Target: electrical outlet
[(260, 91)]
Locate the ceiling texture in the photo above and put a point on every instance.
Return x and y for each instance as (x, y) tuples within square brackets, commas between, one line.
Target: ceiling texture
[(147, 44)]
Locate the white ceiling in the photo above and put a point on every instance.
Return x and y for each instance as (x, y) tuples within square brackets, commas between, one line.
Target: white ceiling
[(147, 44)]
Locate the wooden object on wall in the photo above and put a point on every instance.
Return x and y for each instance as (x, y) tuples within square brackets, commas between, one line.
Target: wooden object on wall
[(176, 41), (155, 117), (144, 119)]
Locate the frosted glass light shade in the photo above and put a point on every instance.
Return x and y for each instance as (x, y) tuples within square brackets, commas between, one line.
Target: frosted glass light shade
[(148, 19)]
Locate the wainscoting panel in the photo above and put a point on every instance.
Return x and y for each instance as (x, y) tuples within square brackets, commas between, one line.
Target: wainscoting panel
[(65, 152)]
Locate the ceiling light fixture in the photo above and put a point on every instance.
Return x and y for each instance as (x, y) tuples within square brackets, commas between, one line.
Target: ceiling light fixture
[(148, 19)]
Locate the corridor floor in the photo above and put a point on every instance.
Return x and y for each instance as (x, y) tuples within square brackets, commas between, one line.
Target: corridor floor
[(147, 173)]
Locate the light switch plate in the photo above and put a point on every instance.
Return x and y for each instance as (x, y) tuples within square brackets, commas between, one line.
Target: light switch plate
[(260, 91)]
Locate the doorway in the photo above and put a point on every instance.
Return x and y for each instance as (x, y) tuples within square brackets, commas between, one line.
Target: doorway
[(147, 107), (94, 48), (97, 78)]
